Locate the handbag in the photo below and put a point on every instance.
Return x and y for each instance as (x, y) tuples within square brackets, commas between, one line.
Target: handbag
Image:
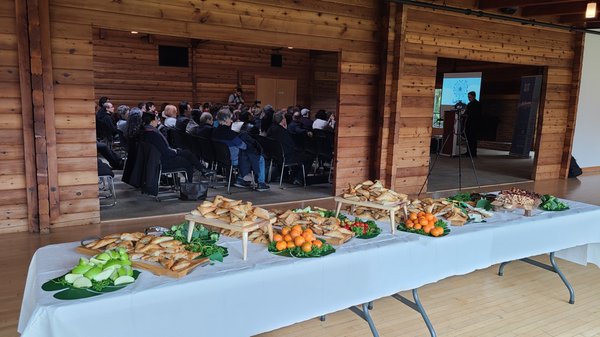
[(193, 190)]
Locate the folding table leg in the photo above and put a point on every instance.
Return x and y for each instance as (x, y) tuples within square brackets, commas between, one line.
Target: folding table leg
[(364, 314), (418, 307), (553, 268)]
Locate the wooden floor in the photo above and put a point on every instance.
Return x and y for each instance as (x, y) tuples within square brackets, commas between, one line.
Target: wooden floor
[(527, 301)]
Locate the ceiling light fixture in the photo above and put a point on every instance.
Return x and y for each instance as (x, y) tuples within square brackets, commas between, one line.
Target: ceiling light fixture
[(590, 11), (290, 47), (134, 32)]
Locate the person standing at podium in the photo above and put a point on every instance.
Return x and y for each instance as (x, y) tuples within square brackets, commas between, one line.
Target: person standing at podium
[(473, 125)]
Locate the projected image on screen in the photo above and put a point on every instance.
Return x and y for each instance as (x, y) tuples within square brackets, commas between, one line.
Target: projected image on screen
[(456, 86)]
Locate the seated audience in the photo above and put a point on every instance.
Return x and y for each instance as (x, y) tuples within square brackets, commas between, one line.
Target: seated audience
[(323, 122), (245, 153), (115, 162), (104, 169), (297, 130), (201, 126), (305, 119), (170, 158), (185, 111), (123, 113), (105, 128), (266, 119), (293, 154), (170, 115)]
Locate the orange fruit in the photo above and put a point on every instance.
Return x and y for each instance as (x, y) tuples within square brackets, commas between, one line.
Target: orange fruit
[(297, 228), (421, 213), (281, 245), (427, 229), (287, 237), (306, 247), (294, 234), (413, 216), (429, 216), (308, 230), (424, 222), (410, 225), (437, 231), (307, 235), (431, 222), (299, 241), (417, 226), (290, 244), (317, 243), (277, 238), (285, 231), (409, 222)]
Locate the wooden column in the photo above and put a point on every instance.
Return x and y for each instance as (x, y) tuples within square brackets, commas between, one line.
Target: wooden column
[(27, 115), (42, 94), (574, 101), (396, 98), (194, 44)]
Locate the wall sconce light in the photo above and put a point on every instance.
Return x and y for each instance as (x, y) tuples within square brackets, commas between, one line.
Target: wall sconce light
[(590, 11)]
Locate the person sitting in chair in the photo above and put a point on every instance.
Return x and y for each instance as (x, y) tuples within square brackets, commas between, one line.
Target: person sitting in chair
[(170, 158), (243, 150), (293, 154)]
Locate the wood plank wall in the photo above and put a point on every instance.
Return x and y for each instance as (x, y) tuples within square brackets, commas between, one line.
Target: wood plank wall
[(73, 73), (13, 199), (126, 69), (427, 35), (333, 25), (323, 81)]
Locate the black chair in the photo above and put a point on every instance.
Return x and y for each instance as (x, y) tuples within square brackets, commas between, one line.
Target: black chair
[(274, 151), (147, 172), (324, 141), (177, 139), (223, 158)]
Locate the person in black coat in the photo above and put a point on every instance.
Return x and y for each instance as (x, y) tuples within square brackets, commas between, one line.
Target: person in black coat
[(201, 126), (105, 126), (170, 158), (185, 112), (473, 113), (293, 153)]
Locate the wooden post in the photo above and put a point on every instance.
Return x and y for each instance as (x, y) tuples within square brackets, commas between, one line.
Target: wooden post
[(396, 99), (27, 115), (572, 116), (43, 112), (195, 97)]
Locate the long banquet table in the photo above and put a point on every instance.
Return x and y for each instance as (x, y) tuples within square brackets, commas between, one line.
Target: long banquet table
[(238, 298)]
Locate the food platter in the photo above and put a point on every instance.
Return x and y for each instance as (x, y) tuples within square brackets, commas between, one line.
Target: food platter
[(392, 210), (69, 292), (297, 252)]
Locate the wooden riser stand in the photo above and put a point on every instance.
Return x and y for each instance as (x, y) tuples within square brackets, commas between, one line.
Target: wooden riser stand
[(244, 229), (392, 209)]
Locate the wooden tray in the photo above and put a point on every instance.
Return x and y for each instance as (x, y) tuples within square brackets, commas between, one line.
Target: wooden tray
[(244, 229), (392, 209), (156, 269)]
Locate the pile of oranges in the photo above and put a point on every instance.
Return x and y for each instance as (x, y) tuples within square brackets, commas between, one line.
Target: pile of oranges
[(424, 221), (296, 236)]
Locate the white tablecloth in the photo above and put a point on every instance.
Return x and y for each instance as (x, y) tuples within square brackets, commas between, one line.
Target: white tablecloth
[(242, 298)]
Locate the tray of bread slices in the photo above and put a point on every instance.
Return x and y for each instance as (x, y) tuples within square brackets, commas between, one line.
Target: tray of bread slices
[(233, 217), (161, 255)]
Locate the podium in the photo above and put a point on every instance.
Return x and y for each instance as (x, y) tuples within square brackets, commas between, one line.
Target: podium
[(451, 134)]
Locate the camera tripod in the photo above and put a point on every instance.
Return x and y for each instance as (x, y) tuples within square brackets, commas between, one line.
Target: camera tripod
[(459, 132)]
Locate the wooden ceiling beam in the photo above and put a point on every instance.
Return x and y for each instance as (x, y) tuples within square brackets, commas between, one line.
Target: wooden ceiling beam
[(496, 4), (555, 9)]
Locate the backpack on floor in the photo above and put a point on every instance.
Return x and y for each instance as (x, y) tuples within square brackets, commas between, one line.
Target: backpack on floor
[(574, 169)]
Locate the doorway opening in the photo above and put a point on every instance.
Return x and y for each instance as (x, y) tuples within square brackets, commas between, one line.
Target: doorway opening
[(128, 70), (499, 131)]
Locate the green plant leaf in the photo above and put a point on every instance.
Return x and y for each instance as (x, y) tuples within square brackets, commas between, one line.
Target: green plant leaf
[(484, 203), (75, 294), (58, 283)]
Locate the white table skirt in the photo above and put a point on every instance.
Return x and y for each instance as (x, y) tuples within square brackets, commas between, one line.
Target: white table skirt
[(241, 298)]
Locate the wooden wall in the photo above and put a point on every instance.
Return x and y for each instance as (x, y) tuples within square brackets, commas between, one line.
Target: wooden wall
[(13, 201), (426, 35), (314, 25), (323, 81), (126, 69), (387, 66)]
